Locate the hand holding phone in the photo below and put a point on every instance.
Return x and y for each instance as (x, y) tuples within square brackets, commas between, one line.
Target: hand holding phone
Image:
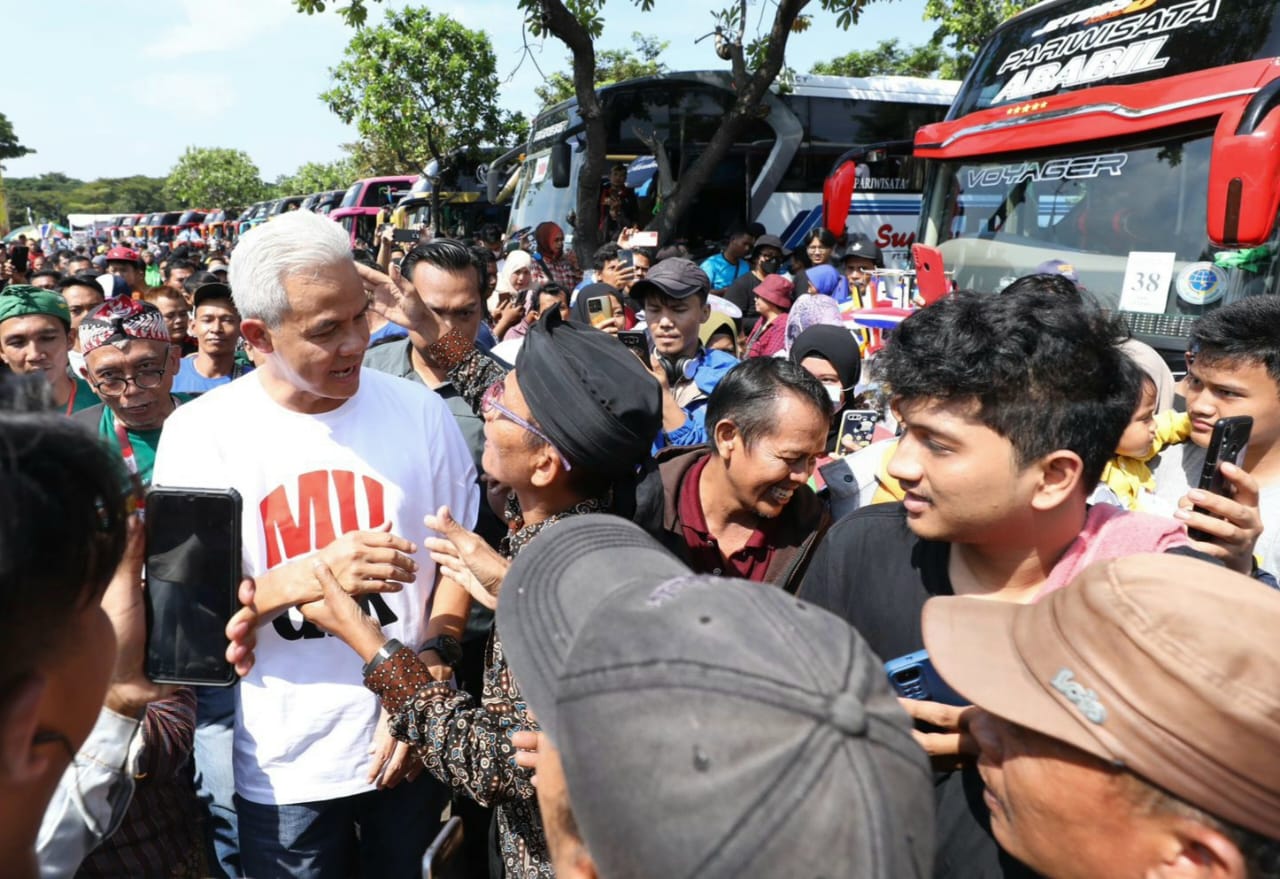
[(1228, 444), (600, 310), (637, 343), (193, 579), (857, 427)]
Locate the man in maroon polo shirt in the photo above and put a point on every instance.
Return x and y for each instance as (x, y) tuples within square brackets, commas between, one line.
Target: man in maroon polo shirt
[(741, 506)]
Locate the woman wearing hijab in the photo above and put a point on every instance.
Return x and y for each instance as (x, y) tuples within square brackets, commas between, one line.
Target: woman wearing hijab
[(557, 265), (569, 431), (719, 333), (830, 354), (623, 318), (810, 310), (512, 295), (825, 280)]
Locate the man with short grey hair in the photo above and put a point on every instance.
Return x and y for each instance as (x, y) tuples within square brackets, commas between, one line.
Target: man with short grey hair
[(333, 463)]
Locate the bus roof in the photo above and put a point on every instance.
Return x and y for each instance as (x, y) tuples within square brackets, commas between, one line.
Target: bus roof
[(904, 88)]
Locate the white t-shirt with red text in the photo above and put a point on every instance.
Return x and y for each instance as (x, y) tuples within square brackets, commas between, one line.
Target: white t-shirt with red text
[(304, 720)]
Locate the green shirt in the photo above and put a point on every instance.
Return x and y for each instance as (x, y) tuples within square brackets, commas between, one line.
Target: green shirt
[(152, 276), (82, 395), (144, 442)]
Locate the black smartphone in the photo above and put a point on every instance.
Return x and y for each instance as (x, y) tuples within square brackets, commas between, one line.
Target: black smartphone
[(406, 235), (627, 258), (637, 342), (914, 677), (193, 576), (1229, 443), (441, 859)]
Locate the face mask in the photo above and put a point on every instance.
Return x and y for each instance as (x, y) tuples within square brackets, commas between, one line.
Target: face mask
[(835, 392), (768, 266)]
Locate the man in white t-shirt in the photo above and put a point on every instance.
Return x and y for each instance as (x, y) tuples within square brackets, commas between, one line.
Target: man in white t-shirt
[(332, 462)]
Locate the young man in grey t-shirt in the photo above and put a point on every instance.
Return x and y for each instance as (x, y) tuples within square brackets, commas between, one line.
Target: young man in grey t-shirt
[(1233, 368)]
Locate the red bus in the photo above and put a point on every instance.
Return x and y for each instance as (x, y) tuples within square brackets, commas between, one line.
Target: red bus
[(1137, 140)]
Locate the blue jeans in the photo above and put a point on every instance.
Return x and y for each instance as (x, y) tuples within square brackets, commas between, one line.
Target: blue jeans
[(215, 778), (376, 834)]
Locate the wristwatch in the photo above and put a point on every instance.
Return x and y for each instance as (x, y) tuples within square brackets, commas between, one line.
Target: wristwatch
[(384, 653), (447, 647)]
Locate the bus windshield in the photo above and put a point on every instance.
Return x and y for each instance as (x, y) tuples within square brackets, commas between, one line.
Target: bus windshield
[(1083, 43), (1130, 221)]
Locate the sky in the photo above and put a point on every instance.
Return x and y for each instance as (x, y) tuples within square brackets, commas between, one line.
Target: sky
[(101, 90)]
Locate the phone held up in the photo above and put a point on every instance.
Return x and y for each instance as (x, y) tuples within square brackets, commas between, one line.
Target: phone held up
[(406, 236), (600, 310), (637, 342), (193, 576), (860, 426), (914, 677), (1228, 444)]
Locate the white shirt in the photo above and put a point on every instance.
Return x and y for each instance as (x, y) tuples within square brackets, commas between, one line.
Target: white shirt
[(304, 720)]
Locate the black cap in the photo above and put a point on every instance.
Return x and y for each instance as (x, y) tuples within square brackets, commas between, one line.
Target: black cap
[(864, 248), (768, 241), (675, 277), (205, 292)]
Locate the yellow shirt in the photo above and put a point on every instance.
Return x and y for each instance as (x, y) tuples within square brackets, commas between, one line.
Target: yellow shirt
[(1129, 477)]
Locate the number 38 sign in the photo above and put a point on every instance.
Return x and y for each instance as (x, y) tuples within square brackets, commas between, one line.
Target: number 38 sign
[(1147, 276)]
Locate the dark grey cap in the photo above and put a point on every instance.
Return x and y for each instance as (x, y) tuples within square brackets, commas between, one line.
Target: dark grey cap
[(863, 248), (675, 277), (767, 241), (710, 727)]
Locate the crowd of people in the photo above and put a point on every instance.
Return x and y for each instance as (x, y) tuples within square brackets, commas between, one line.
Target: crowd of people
[(588, 556)]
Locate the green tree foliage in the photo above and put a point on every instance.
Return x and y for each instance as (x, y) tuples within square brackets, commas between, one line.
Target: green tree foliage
[(612, 65), (420, 87), (962, 28), (213, 178), (53, 196), (9, 146), (318, 177), (888, 58)]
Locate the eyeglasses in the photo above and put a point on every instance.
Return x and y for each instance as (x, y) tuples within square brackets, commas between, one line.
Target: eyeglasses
[(143, 380), (492, 402)]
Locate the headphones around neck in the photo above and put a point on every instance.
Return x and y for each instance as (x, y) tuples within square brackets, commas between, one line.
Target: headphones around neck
[(678, 369)]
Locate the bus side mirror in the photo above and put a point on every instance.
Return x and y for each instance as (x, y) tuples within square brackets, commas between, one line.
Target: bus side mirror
[(560, 158), (1243, 169)]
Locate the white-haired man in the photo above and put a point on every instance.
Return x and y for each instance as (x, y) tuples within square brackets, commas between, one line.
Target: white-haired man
[(333, 462)]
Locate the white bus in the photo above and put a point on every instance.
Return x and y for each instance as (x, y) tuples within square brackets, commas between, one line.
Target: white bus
[(772, 175)]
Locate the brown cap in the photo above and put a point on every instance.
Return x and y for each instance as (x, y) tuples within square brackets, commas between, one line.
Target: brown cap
[(1163, 664)]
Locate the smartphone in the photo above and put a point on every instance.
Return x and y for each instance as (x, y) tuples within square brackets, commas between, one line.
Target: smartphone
[(18, 256), (930, 277), (1229, 442), (440, 860), (627, 259), (637, 341), (643, 239), (193, 575), (860, 425), (406, 235), (599, 310), (913, 677)]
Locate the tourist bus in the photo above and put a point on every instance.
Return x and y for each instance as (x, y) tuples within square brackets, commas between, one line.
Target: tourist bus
[(1136, 140), (773, 174), (364, 199)]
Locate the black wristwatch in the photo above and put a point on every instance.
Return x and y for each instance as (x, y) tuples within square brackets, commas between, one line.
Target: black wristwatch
[(384, 653), (448, 648)]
